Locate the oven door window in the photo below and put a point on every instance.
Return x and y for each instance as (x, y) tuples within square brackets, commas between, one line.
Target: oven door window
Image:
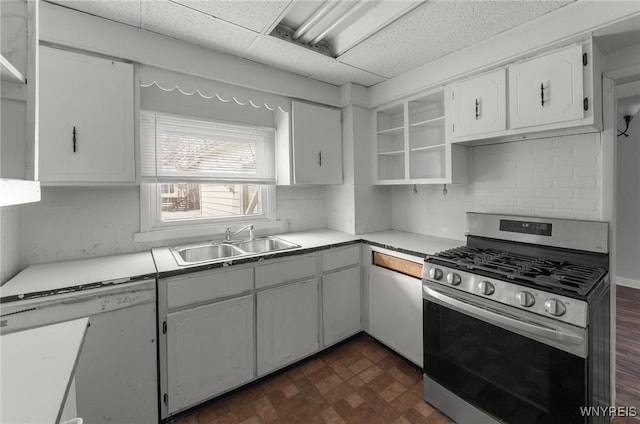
[(509, 376)]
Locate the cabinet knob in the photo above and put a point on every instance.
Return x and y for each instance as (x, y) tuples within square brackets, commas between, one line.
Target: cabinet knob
[(486, 288), (74, 139)]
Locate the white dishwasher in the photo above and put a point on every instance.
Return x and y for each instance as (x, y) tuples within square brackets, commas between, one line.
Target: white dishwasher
[(116, 376)]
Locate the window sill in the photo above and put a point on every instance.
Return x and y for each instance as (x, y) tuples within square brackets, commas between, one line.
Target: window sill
[(175, 233)]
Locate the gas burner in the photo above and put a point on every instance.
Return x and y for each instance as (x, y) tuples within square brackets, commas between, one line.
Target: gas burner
[(553, 274)]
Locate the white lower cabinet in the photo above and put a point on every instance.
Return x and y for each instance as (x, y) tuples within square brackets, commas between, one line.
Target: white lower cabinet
[(340, 304), (287, 324), (210, 350), (395, 312)]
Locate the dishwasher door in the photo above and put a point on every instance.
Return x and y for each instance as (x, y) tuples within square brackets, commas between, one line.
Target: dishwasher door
[(116, 378)]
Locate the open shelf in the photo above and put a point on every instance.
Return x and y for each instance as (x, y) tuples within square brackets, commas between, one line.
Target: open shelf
[(392, 153), (392, 131), (431, 122), (10, 73), (435, 146), (412, 144), (16, 192)]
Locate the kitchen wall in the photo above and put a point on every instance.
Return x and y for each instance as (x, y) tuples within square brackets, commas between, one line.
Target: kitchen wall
[(556, 177), (628, 205), (74, 223)]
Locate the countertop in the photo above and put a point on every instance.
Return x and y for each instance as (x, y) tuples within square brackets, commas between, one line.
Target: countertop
[(38, 366), (314, 240), (46, 279), (92, 272)]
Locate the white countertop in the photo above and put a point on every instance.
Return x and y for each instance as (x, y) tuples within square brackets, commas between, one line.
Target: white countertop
[(119, 268), (421, 244), (409, 242), (38, 366), (57, 275)]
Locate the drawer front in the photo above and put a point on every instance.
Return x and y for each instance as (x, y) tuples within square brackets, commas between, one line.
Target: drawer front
[(287, 270), (338, 258), (200, 287), (403, 266)]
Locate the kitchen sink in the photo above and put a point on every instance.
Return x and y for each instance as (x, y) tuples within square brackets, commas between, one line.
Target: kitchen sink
[(265, 244), (192, 254), (219, 251)]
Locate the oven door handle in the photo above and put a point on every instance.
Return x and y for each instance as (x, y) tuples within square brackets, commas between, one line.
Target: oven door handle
[(557, 334)]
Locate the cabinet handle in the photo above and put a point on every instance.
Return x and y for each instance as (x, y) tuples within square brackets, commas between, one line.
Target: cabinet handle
[(320, 158), (74, 139), (477, 109), (542, 94)]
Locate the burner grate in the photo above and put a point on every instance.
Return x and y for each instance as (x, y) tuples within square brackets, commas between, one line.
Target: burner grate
[(543, 272)]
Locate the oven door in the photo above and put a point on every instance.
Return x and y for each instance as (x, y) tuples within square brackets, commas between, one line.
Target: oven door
[(501, 360)]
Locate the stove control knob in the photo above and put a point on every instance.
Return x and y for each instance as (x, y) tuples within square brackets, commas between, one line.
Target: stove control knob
[(454, 278), (525, 299), (435, 274), (486, 288), (555, 307)]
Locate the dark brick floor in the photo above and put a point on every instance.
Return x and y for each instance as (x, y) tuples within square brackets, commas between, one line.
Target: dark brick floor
[(359, 381)]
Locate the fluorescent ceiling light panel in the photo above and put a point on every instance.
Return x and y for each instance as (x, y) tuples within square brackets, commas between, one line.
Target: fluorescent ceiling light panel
[(332, 27)]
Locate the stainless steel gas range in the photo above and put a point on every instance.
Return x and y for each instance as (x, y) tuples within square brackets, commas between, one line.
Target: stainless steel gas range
[(516, 323)]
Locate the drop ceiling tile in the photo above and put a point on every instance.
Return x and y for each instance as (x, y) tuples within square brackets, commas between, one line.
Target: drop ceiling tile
[(124, 11), (288, 56), (255, 15), (338, 73), (438, 28), (174, 20)]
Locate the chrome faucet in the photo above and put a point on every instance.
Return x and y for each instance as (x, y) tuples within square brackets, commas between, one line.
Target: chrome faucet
[(228, 232)]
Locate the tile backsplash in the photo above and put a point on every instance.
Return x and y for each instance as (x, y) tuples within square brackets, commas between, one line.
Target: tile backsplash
[(558, 177)]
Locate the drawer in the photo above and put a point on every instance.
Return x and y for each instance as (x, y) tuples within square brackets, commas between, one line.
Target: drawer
[(200, 287), (338, 258), (287, 270), (402, 266)]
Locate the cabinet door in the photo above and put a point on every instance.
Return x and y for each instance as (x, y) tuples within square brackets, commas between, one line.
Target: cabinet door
[(547, 89), (395, 312), (86, 118), (287, 320), (340, 304), (317, 144), (479, 104), (209, 350)]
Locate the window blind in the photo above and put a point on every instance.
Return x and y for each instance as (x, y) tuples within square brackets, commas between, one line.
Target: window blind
[(180, 148)]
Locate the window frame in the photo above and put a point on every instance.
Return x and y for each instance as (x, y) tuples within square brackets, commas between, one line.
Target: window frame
[(153, 228), (151, 206)]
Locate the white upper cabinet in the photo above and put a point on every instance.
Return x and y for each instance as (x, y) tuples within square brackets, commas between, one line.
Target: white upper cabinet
[(86, 119), (547, 89), (309, 145), (557, 93), (479, 104)]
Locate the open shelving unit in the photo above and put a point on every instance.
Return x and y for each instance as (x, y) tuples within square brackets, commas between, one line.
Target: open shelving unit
[(18, 191), (10, 73), (412, 143)]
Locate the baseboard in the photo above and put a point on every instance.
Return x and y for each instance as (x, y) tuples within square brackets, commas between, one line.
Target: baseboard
[(627, 282)]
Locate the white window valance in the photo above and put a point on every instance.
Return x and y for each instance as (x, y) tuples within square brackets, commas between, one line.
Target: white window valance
[(209, 89)]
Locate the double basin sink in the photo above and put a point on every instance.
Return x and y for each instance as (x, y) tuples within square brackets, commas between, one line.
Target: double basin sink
[(223, 250)]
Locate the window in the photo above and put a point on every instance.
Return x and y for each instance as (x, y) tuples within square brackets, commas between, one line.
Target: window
[(201, 172)]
